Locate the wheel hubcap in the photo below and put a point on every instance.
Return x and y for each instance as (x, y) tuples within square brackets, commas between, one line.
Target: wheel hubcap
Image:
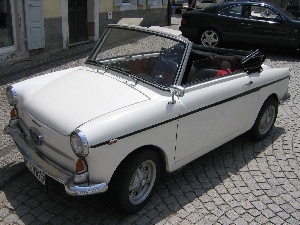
[(267, 120), (142, 182), (209, 38)]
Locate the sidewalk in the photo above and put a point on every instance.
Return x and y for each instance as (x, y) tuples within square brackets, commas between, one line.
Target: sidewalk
[(37, 60)]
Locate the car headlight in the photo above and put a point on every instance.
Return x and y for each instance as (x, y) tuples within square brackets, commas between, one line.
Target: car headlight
[(11, 95), (79, 143)]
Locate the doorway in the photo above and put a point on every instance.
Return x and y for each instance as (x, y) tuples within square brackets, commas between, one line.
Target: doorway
[(77, 18), (6, 25)]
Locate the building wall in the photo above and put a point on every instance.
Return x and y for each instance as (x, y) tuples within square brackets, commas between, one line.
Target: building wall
[(53, 33), (56, 22), (53, 24), (152, 15)]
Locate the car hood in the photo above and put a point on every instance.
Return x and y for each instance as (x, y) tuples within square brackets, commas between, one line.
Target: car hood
[(78, 97)]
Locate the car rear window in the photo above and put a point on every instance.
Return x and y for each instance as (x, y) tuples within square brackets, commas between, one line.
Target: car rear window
[(211, 8)]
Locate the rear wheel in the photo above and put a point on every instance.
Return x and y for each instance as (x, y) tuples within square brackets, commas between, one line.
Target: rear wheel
[(134, 181), (265, 119), (210, 38)]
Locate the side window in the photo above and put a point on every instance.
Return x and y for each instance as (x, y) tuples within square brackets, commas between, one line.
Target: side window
[(235, 11), (201, 69), (261, 12)]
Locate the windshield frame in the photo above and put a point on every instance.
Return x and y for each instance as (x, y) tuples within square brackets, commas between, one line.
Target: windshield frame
[(92, 59)]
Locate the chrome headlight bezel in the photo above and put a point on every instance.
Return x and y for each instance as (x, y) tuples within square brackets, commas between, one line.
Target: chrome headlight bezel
[(11, 95), (79, 143)]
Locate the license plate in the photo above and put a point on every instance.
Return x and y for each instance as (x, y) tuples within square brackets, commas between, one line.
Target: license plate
[(38, 173)]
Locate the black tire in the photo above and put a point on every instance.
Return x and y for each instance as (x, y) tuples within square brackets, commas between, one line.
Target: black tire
[(265, 119), (210, 38), (133, 182)]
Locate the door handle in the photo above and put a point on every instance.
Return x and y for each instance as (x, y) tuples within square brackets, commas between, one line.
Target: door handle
[(246, 24), (248, 84)]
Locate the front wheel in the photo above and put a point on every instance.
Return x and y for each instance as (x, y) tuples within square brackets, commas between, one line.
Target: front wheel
[(210, 38), (265, 119), (134, 181)]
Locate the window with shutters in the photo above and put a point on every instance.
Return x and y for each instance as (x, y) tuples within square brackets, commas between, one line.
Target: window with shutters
[(128, 5), (126, 2), (6, 24)]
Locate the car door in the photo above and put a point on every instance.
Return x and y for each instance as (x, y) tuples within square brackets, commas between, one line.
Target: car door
[(230, 21), (214, 112)]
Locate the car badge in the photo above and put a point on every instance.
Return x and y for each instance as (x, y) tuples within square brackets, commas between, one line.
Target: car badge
[(36, 137), (113, 141)]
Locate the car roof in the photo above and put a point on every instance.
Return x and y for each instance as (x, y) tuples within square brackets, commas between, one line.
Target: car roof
[(224, 4)]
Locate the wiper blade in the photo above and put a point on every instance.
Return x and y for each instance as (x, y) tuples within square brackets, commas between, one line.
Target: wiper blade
[(94, 62)]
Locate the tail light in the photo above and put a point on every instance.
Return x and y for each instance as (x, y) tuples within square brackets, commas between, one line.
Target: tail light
[(184, 21), (81, 166)]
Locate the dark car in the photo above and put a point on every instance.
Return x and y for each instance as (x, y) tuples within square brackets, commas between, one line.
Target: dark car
[(293, 7), (254, 23)]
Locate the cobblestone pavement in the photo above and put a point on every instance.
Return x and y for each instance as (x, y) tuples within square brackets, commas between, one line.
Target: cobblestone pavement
[(241, 182)]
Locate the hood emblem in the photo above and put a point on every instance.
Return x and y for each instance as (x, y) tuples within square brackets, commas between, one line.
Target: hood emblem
[(36, 137)]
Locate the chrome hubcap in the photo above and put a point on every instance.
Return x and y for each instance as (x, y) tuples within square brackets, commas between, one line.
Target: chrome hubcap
[(267, 120), (209, 38), (142, 182)]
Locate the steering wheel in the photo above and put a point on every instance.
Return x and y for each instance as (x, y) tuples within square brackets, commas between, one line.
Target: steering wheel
[(266, 13), (164, 71)]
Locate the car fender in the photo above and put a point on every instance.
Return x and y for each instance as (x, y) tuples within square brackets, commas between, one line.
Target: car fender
[(114, 136)]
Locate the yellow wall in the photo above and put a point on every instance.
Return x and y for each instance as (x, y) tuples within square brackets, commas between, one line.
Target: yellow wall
[(106, 6), (52, 8)]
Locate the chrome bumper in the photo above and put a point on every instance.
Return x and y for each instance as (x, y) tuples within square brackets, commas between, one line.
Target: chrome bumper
[(48, 167)]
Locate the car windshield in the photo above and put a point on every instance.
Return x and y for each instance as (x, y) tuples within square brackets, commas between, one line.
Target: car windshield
[(141, 55)]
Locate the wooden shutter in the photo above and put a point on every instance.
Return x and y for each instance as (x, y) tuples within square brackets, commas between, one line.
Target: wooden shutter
[(149, 2), (117, 2), (34, 19)]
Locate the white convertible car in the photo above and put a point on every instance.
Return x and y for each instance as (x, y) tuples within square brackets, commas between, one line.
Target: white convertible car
[(146, 101)]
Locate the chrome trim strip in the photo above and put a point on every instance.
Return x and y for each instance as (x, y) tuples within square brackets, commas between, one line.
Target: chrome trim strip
[(58, 151)]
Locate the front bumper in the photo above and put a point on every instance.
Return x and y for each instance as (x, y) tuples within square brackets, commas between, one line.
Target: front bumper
[(48, 167)]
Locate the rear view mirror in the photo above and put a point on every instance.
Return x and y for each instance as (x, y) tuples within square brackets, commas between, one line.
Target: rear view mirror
[(176, 91)]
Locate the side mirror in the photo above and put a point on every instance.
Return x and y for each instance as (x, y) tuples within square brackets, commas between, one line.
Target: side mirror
[(176, 91), (279, 19)]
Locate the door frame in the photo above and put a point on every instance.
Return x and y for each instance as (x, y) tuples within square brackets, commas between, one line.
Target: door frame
[(93, 10), (18, 49)]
